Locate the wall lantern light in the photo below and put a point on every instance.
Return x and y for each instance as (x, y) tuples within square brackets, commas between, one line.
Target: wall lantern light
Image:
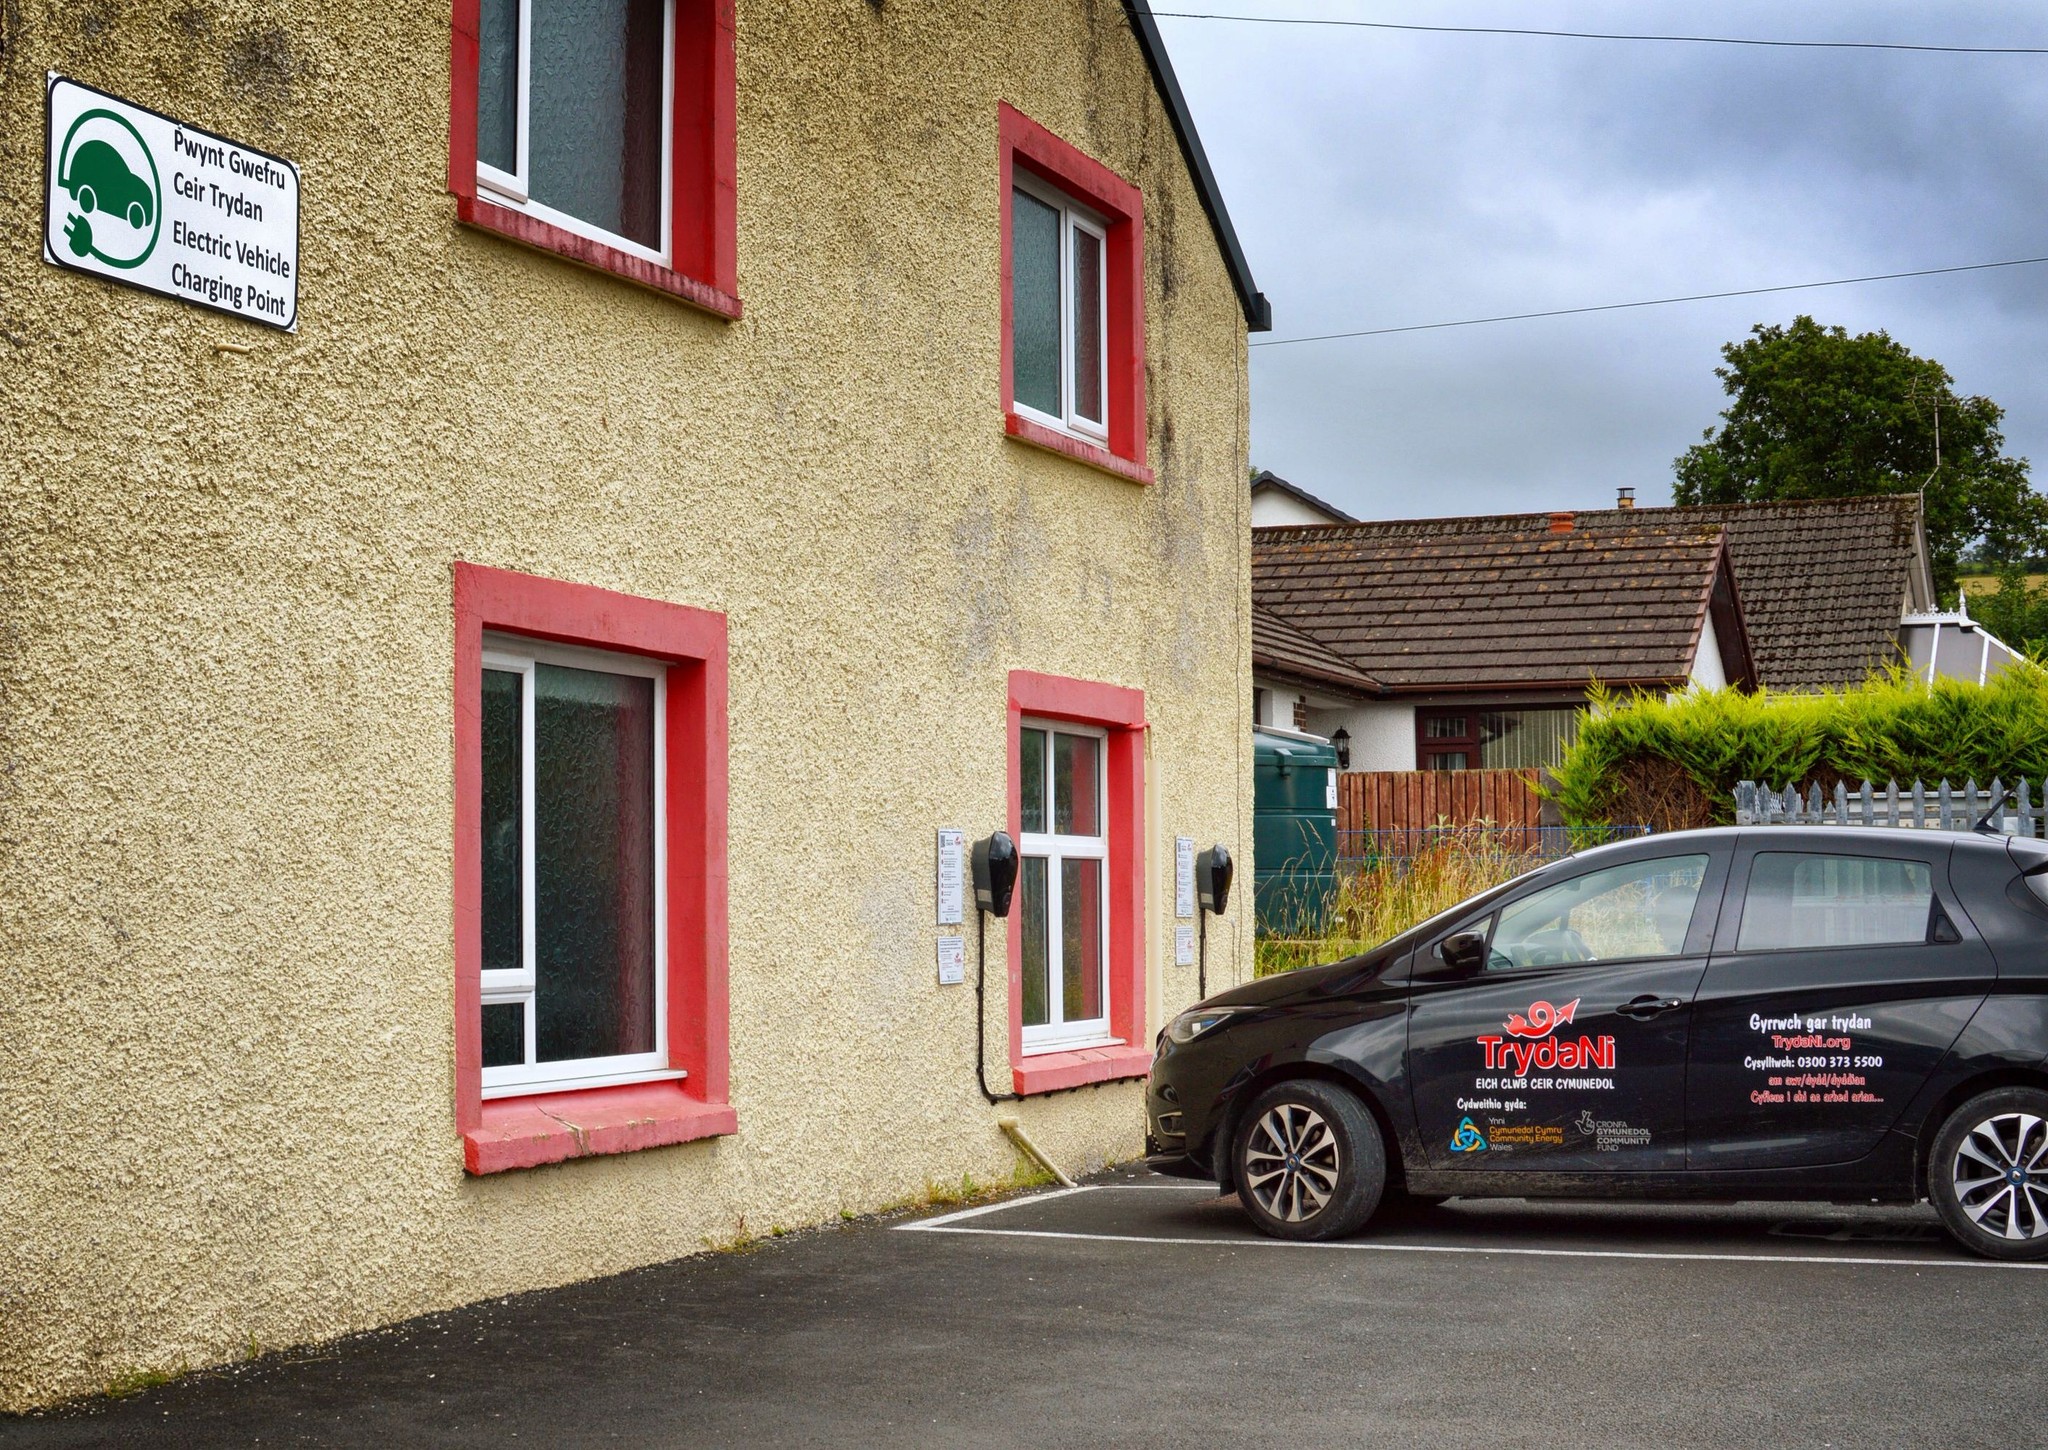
[(1342, 740)]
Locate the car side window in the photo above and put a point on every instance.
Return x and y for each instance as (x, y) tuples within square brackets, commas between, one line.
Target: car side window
[(1638, 909), (1800, 899)]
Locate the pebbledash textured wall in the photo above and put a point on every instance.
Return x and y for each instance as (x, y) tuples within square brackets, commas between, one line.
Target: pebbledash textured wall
[(226, 1060)]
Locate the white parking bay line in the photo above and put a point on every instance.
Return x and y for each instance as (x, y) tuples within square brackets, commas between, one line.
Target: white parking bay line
[(939, 1226), (926, 1225)]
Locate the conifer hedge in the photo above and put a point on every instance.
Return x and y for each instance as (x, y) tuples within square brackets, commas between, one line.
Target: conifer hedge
[(1672, 763)]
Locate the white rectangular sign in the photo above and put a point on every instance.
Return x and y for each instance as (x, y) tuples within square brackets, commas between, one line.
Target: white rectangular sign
[(139, 198), (952, 877), (952, 960), (1183, 946), (1183, 875)]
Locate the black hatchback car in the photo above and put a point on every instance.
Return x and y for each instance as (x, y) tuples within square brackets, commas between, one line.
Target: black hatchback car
[(1844, 1014)]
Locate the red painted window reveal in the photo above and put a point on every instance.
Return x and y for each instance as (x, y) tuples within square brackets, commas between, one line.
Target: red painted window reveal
[(1121, 712), (1024, 143), (703, 258), (547, 1127)]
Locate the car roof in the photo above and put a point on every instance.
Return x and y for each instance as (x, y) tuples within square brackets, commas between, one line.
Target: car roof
[(1828, 836)]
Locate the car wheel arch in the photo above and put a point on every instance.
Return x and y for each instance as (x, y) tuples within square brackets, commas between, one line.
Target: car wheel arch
[(1938, 1114), (1244, 1093)]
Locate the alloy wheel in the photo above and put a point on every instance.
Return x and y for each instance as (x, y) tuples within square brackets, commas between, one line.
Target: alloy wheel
[(2001, 1175), (1291, 1162)]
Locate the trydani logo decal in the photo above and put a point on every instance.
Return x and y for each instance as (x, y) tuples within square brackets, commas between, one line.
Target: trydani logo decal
[(1468, 1138), (1543, 1019), (1552, 1053)]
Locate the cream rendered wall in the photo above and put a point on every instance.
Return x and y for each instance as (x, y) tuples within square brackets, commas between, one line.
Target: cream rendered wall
[(225, 733), (1271, 508)]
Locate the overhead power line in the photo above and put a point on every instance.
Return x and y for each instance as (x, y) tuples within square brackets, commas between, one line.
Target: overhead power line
[(1607, 35), (1649, 302)]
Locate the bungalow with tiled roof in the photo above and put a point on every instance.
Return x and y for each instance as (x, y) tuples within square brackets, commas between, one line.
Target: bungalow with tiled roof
[(1421, 644)]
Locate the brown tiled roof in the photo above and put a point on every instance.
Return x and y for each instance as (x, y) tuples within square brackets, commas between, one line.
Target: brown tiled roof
[(1460, 609), (1281, 649), (1823, 581)]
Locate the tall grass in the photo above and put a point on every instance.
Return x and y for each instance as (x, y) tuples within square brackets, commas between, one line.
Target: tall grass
[(1673, 762), (1387, 896)]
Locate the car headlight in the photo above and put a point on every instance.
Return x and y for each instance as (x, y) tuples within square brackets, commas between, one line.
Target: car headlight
[(1190, 1025)]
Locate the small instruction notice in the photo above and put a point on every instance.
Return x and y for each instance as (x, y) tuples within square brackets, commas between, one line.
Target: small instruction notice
[(139, 198), (952, 960), (1183, 946), (1183, 876), (952, 877)]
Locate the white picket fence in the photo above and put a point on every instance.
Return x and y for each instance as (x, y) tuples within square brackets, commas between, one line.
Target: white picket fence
[(1943, 808)]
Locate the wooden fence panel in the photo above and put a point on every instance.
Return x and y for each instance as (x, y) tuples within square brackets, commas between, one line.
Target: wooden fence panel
[(1410, 800)]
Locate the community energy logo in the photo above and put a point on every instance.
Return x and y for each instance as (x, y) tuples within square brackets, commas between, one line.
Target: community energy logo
[(1468, 1138)]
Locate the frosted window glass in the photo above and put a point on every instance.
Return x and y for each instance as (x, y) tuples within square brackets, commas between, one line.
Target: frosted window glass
[(1035, 303), (1036, 908), (594, 863), (1080, 940), (504, 1034), (1088, 325), (497, 85), (504, 883), (1076, 779), (594, 135), (1031, 765)]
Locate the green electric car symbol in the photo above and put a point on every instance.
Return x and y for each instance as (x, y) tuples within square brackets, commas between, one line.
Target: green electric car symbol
[(101, 181), (97, 179)]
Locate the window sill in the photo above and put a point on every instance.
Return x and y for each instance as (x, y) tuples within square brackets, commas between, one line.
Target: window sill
[(515, 226), (1037, 435), (1050, 1071), (554, 1127)]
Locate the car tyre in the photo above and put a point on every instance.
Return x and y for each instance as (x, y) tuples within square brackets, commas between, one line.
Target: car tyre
[(1308, 1161), (137, 215), (1988, 1174), (86, 198)]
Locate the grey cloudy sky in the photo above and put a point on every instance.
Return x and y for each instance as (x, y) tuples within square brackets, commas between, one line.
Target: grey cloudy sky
[(1380, 179)]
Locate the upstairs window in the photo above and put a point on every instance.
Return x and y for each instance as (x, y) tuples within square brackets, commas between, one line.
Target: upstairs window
[(573, 116), (1059, 293), (1073, 254), (602, 130)]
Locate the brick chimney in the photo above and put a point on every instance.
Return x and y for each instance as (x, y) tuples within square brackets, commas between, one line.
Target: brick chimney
[(1561, 522), (1624, 498)]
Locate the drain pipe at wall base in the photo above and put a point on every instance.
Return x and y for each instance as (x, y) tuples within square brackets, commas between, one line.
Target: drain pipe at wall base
[(1031, 1151)]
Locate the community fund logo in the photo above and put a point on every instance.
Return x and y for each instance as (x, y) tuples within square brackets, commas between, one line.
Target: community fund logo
[(115, 212), (1510, 1053)]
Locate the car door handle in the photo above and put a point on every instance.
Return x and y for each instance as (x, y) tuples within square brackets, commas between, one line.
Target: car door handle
[(1644, 1007)]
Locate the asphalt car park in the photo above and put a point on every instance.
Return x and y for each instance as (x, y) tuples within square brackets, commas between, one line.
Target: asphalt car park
[(1143, 1311)]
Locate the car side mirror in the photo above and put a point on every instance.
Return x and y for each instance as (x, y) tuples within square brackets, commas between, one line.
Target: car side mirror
[(1464, 952)]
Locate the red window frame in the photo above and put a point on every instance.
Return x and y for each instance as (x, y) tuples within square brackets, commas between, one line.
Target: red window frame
[(703, 226), (1120, 712), (1026, 144), (547, 1127)]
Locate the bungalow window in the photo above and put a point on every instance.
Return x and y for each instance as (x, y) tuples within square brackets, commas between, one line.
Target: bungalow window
[(573, 970), (1059, 309), (1064, 888), (573, 115), (1516, 738)]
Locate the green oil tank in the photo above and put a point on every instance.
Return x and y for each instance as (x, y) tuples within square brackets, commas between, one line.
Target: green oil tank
[(1294, 830)]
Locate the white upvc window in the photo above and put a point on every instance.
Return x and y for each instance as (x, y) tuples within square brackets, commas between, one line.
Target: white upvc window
[(575, 116), (1063, 891), (1059, 310), (574, 907)]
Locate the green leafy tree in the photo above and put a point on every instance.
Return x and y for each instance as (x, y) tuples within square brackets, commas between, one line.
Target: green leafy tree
[(1820, 414), (2016, 611)]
